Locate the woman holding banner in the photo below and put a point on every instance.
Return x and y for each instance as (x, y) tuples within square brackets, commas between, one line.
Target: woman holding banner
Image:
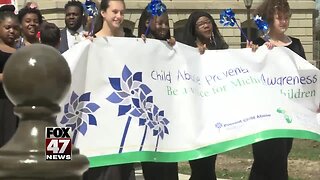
[(271, 156), (202, 32), (110, 19), (157, 27), (109, 23)]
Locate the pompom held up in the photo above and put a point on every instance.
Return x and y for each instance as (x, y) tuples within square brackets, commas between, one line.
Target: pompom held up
[(156, 8), (263, 27), (90, 8)]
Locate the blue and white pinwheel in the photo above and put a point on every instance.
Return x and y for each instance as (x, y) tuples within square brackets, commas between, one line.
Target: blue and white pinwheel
[(134, 101), (90, 8), (263, 27), (227, 18), (92, 11), (158, 124), (128, 91), (78, 114), (156, 8)]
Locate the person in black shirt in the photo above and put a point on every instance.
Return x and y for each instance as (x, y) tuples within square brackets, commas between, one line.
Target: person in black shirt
[(9, 32), (277, 13), (158, 29), (271, 156), (202, 32)]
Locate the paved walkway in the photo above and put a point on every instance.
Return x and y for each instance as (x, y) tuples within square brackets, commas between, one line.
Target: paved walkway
[(139, 176)]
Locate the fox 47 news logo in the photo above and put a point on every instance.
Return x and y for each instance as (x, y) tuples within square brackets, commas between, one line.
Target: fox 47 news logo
[(58, 143)]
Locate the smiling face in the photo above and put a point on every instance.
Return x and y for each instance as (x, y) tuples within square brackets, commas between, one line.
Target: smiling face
[(9, 31), (30, 25), (160, 26), (114, 14), (203, 28), (280, 23), (73, 18)]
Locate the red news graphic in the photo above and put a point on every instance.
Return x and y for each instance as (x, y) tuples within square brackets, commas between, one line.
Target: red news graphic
[(7, 1), (58, 143)]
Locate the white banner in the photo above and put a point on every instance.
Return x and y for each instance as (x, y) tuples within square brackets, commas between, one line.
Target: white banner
[(134, 101)]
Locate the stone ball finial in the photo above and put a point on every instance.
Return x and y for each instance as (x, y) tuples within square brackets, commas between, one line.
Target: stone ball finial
[(31, 74), (36, 78)]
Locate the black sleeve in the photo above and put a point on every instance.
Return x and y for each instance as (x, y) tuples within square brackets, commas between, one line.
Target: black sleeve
[(128, 32), (297, 47), (301, 50), (259, 41)]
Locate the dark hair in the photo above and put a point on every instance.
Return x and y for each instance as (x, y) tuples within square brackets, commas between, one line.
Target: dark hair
[(269, 8), (7, 7), (74, 3), (142, 22), (7, 11), (145, 16), (189, 35), (50, 34), (127, 32), (27, 10), (104, 4)]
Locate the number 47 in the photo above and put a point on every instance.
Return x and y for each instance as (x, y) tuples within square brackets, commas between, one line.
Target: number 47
[(54, 145)]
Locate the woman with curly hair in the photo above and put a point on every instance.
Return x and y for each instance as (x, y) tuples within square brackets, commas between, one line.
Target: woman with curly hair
[(271, 156), (30, 20)]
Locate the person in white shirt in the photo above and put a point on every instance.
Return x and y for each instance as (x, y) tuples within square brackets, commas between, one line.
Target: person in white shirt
[(73, 32)]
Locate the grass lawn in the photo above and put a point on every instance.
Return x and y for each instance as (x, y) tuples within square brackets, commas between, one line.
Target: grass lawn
[(304, 162)]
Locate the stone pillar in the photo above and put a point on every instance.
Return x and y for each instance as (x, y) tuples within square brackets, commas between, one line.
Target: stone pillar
[(36, 78)]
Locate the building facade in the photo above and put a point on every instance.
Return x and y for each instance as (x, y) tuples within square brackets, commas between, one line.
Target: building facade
[(301, 25)]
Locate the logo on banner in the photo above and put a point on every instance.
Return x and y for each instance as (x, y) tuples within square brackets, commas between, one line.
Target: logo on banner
[(58, 143)]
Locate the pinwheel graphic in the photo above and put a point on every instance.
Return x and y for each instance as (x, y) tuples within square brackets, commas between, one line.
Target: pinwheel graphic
[(134, 101), (78, 114)]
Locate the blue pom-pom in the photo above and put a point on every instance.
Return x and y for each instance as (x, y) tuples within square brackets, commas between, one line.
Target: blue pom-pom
[(156, 8), (90, 8), (227, 17), (262, 26)]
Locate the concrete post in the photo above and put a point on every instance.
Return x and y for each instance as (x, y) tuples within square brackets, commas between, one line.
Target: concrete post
[(36, 78)]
